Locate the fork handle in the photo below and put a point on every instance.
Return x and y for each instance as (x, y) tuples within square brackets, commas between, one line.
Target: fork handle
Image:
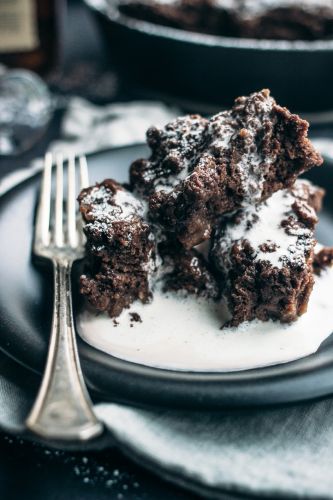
[(63, 409)]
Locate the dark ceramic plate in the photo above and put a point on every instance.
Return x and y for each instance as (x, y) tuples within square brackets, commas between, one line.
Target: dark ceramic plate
[(212, 70), (25, 317)]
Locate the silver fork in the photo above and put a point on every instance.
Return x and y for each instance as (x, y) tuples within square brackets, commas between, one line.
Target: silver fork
[(62, 409)]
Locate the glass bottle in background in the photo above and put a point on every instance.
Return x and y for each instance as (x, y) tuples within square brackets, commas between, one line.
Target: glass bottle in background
[(25, 110), (31, 34)]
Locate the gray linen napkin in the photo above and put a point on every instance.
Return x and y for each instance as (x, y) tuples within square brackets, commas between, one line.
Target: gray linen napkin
[(273, 452)]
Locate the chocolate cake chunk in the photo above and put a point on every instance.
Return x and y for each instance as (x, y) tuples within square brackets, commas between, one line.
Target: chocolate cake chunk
[(116, 229), (187, 271), (112, 291), (323, 259), (265, 256), (120, 247), (200, 169), (262, 19), (174, 150)]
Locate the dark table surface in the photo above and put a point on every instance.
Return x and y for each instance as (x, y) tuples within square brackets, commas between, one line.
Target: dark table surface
[(29, 470)]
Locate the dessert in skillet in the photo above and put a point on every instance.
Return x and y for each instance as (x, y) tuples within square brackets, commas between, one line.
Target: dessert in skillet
[(213, 235), (263, 19)]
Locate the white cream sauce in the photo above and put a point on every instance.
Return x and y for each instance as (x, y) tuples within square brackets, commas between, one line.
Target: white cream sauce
[(179, 333), (268, 230)]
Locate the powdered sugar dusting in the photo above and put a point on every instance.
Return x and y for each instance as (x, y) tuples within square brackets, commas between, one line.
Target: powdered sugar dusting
[(167, 184), (191, 141), (181, 140), (108, 207)]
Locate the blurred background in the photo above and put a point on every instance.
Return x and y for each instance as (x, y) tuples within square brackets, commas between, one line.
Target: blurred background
[(194, 57)]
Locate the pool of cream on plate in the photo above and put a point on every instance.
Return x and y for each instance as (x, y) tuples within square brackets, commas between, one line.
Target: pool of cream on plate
[(183, 333)]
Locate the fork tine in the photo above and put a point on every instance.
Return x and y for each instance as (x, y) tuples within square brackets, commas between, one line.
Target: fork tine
[(71, 203), (58, 222), (84, 177), (84, 182), (43, 210)]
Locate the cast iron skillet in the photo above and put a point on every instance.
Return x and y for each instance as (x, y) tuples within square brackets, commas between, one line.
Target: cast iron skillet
[(26, 306), (214, 69)]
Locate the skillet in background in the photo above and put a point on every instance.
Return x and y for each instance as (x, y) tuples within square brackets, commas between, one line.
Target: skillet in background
[(210, 71)]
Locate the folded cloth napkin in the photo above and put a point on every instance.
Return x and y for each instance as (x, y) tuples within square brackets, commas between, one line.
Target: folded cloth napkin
[(286, 453)]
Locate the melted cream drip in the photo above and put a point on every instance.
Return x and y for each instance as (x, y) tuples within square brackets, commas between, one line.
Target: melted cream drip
[(183, 333), (268, 230)]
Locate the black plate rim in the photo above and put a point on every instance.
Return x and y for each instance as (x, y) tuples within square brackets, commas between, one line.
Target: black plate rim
[(109, 10), (241, 382)]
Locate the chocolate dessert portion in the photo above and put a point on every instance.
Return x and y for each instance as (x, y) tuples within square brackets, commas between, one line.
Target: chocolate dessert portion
[(227, 184), (261, 19), (120, 248), (265, 255), (201, 169), (186, 271)]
